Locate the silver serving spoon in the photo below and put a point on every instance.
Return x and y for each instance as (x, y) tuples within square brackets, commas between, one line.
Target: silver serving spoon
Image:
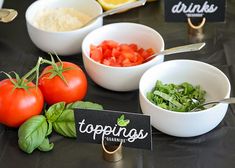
[(230, 100), (7, 15), (117, 10), (180, 49)]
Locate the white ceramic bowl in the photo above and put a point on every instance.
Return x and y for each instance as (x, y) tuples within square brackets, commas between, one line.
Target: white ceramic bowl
[(63, 43), (121, 78), (1, 3), (185, 124)]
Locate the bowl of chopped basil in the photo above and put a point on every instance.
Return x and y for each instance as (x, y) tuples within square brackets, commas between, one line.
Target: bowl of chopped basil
[(169, 92)]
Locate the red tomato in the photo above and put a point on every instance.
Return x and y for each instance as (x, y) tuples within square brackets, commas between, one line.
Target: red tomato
[(56, 90), (18, 105), (111, 53)]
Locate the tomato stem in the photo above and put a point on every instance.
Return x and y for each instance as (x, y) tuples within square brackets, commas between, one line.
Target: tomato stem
[(36, 68), (48, 62), (9, 76), (29, 76), (23, 82), (57, 70)]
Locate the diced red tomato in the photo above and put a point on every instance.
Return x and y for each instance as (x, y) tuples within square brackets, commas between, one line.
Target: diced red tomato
[(140, 51), (150, 51), (109, 44), (116, 52), (96, 53), (125, 47), (107, 53), (139, 60), (133, 46), (126, 62), (112, 53)]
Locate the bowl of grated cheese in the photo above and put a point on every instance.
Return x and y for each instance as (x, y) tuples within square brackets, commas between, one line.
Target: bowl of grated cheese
[(56, 25)]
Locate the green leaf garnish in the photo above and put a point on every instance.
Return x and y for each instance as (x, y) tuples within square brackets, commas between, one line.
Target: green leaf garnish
[(122, 122), (181, 98)]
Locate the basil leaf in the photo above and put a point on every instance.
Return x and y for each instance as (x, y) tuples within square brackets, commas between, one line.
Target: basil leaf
[(49, 130), (32, 133), (168, 98), (84, 105), (65, 124), (46, 145), (53, 113)]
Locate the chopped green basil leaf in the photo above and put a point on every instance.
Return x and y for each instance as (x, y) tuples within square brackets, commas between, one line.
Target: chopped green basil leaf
[(182, 98)]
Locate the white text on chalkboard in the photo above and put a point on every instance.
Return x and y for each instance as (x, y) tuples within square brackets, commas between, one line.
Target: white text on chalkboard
[(196, 10)]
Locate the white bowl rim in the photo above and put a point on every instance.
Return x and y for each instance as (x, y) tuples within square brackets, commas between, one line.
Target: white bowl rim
[(64, 32), (124, 23), (183, 113)]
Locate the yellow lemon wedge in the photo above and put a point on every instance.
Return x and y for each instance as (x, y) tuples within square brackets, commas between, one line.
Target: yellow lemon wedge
[(111, 4)]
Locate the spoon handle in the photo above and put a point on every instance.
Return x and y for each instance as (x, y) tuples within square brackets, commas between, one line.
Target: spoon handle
[(230, 100), (181, 49), (118, 9), (124, 7)]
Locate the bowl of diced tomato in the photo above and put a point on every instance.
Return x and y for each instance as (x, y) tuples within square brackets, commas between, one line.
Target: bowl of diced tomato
[(115, 55)]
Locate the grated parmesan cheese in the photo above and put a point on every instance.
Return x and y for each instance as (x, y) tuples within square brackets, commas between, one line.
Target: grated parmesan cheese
[(60, 19)]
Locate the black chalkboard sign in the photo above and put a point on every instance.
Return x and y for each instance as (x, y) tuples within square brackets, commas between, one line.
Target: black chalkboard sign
[(132, 129), (180, 10)]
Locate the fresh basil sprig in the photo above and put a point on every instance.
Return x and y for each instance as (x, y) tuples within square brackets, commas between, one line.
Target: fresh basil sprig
[(62, 117), (54, 111), (65, 124), (32, 134)]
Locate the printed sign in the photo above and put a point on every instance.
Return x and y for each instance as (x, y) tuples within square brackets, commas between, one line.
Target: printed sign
[(180, 10), (133, 130)]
